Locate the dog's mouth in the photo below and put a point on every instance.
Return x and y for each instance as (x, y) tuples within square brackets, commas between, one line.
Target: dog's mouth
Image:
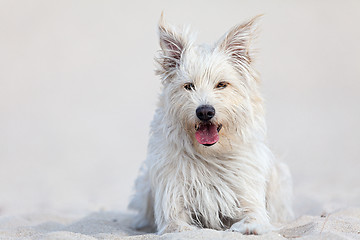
[(207, 133)]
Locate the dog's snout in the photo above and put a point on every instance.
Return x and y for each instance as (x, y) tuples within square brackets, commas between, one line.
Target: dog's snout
[(205, 112)]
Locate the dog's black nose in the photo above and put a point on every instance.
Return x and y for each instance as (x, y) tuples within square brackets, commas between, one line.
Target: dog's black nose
[(205, 112)]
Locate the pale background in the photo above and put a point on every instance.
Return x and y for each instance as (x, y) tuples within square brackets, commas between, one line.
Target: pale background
[(78, 92)]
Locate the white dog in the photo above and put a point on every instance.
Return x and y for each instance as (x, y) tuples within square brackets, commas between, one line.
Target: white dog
[(208, 163)]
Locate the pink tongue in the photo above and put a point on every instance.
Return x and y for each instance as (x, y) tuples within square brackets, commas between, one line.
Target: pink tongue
[(207, 134)]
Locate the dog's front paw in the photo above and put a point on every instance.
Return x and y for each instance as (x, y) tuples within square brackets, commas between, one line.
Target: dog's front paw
[(251, 228), (173, 227)]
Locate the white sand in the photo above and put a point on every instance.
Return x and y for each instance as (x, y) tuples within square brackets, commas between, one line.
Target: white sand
[(74, 74), (344, 224)]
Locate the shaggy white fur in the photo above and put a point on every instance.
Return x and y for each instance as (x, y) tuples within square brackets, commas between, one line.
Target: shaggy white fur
[(233, 184)]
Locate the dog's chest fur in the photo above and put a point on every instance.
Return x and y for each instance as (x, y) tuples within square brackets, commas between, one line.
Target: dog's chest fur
[(208, 188), (212, 183)]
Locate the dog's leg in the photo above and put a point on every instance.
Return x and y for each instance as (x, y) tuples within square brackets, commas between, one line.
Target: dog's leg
[(252, 224), (172, 217), (178, 225), (255, 219), (279, 194), (144, 221), (142, 202)]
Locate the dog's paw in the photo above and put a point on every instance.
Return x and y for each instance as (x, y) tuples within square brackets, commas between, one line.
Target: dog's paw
[(172, 227), (252, 228)]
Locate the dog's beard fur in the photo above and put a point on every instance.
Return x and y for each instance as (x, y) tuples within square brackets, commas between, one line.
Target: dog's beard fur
[(234, 183)]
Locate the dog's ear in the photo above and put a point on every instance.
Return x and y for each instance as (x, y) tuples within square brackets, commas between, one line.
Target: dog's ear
[(237, 42), (172, 43)]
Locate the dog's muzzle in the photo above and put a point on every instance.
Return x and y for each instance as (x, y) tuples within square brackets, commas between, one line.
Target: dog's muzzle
[(205, 112), (206, 131)]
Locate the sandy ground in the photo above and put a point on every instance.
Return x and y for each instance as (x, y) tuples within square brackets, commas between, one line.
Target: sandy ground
[(78, 91), (344, 224)]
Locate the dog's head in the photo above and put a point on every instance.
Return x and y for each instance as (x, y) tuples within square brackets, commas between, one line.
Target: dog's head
[(210, 91)]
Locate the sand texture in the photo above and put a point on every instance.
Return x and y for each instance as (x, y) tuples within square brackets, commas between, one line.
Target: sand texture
[(78, 92), (342, 224)]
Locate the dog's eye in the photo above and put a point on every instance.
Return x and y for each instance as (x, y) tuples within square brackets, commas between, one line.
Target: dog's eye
[(222, 85), (189, 86)]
